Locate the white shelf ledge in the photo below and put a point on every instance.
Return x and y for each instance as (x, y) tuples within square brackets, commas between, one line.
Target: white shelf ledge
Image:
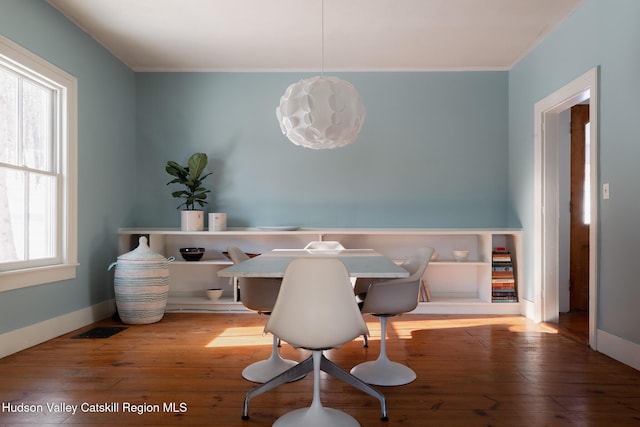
[(202, 304), (217, 261)]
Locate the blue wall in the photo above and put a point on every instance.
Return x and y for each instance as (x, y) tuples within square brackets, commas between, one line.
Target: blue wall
[(106, 154), (432, 152), (606, 34)]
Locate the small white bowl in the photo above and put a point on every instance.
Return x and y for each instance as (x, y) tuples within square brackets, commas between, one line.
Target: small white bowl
[(460, 255), (214, 294)]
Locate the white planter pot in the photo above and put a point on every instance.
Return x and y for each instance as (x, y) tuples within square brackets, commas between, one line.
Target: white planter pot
[(192, 220)]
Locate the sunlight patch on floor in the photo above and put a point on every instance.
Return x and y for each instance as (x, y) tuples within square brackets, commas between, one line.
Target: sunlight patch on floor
[(240, 337), (511, 323), (253, 336)]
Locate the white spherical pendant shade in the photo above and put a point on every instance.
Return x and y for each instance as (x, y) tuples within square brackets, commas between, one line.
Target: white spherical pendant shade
[(321, 112)]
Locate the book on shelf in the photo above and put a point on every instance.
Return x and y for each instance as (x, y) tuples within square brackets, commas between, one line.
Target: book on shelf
[(503, 285), (502, 291), (506, 298), (500, 255), (502, 275), (503, 282)]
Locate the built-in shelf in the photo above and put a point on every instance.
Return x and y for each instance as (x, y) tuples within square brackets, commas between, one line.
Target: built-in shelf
[(455, 287)]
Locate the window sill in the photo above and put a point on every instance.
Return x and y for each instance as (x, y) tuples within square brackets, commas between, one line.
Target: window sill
[(36, 276)]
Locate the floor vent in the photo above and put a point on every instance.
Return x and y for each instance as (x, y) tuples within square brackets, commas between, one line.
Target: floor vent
[(101, 332)]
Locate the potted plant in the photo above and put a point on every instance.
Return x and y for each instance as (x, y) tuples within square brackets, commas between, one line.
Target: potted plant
[(191, 177)]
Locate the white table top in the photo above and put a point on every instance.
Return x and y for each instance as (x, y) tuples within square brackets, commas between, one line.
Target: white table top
[(359, 263)]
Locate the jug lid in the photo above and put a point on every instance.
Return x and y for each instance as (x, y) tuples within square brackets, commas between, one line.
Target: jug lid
[(142, 253)]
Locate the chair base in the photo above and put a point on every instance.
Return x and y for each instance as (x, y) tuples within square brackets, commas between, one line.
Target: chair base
[(305, 367), (264, 370), (383, 372), (316, 417)]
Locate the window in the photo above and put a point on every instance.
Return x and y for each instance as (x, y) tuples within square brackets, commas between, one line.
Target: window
[(38, 168)]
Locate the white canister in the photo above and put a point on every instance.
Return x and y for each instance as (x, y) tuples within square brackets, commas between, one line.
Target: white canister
[(217, 221)]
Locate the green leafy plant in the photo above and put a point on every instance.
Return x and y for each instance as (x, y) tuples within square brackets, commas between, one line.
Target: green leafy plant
[(191, 176)]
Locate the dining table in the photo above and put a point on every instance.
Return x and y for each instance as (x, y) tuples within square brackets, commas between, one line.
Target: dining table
[(360, 263)]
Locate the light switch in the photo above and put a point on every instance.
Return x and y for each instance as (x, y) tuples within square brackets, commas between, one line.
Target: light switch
[(605, 191)]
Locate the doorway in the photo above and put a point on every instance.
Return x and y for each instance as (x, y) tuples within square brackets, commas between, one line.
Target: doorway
[(574, 222), (580, 219), (547, 167)]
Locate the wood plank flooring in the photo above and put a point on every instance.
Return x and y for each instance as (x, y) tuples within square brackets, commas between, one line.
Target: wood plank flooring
[(575, 324), (185, 370)]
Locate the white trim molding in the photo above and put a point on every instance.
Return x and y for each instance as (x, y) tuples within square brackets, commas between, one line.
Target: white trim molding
[(63, 266), (545, 235), (23, 338), (618, 348)]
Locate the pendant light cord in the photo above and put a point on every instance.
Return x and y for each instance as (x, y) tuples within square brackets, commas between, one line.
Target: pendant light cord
[(322, 38)]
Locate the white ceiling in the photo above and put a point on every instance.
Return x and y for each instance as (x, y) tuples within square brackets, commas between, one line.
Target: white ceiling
[(266, 35)]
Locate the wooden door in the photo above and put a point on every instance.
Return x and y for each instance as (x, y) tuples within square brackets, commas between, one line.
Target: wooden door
[(579, 246)]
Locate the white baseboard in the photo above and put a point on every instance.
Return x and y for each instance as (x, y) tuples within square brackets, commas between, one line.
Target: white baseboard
[(20, 339), (528, 310), (620, 349)]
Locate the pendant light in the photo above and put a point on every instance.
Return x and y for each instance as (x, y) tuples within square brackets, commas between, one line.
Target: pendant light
[(321, 112)]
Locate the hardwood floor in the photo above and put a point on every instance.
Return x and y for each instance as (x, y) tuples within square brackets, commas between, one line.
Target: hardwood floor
[(575, 324), (472, 371)]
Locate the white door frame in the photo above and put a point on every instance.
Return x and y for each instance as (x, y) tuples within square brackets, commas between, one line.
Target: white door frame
[(545, 241)]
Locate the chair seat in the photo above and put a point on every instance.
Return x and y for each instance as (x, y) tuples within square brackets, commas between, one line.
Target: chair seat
[(386, 299)]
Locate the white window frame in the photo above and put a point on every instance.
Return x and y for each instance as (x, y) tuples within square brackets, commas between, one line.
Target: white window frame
[(24, 62)]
